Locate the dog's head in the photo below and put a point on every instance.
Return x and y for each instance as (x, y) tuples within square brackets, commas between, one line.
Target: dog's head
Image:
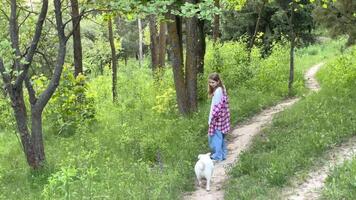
[(201, 156)]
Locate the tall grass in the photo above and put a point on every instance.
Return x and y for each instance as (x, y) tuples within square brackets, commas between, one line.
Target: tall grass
[(141, 148), (299, 135)]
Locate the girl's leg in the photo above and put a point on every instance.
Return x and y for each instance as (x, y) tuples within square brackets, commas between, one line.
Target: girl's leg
[(224, 147), (216, 145)]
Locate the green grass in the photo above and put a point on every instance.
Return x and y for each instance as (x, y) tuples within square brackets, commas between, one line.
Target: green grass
[(341, 184), (298, 137), (139, 148)]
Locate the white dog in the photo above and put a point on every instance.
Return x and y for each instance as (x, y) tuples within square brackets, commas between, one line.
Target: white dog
[(204, 169)]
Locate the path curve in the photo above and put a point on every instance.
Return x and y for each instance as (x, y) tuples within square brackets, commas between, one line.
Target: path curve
[(311, 187), (240, 140)]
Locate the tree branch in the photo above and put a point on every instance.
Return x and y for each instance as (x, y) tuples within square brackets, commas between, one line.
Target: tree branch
[(31, 91), (51, 88), (27, 16), (5, 77), (4, 13), (44, 57), (34, 43), (14, 33)]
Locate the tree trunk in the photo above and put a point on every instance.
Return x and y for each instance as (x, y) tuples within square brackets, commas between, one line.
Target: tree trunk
[(195, 51), (34, 160), (191, 63), (140, 42), (292, 44), (162, 44), (176, 48), (154, 43), (201, 46), (158, 43), (113, 60), (36, 132), (77, 43), (32, 142), (216, 23), (252, 41)]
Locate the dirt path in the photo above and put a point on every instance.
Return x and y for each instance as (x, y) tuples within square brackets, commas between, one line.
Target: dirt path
[(311, 187), (240, 140)]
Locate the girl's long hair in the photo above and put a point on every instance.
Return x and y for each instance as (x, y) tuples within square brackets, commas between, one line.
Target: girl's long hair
[(215, 77)]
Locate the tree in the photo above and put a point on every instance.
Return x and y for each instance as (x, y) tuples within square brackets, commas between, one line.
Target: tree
[(77, 42), (339, 17), (158, 43), (216, 23), (15, 72), (185, 76), (268, 20), (140, 42), (113, 59), (174, 28)]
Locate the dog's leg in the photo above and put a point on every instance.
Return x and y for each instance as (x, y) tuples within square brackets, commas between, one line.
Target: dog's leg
[(208, 184), (199, 181)]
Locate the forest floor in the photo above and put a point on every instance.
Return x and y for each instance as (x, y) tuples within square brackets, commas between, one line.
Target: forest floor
[(240, 139)]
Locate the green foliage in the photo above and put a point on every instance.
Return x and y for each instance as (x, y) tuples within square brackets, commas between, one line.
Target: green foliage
[(6, 115), (273, 25), (139, 148), (231, 60), (338, 17), (297, 137), (71, 105), (344, 68), (273, 72)]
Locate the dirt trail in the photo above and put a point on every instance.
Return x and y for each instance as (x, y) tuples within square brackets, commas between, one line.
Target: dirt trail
[(311, 187), (240, 139)]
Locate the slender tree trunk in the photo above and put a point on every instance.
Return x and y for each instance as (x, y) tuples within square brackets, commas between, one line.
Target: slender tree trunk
[(162, 44), (113, 60), (201, 47), (140, 42), (158, 43), (176, 48), (252, 41), (292, 44), (101, 68), (154, 42), (216, 23), (77, 43)]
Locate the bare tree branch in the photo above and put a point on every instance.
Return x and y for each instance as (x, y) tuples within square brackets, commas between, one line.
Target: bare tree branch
[(44, 57), (14, 32), (27, 10), (27, 16), (4, 13), (34, 43), (6, 78), (46, 95), (31, 91)]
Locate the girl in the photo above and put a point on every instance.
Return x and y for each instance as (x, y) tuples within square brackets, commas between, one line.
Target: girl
[(219, 117)]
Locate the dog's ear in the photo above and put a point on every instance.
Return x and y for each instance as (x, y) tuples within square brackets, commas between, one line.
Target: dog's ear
[(208, 154)]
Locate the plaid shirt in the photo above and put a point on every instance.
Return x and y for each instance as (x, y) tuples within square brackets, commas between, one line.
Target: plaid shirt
[(220, 116)]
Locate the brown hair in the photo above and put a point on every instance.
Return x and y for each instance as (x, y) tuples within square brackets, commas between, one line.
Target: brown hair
[(215, 77)]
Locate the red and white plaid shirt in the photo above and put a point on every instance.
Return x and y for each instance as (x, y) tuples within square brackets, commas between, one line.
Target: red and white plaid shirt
[(220, 116)]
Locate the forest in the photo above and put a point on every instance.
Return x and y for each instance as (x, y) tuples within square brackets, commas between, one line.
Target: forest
[(105, 99)]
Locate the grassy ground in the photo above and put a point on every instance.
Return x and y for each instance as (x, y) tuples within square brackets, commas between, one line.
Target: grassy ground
[(298, 136), (141, 148)]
